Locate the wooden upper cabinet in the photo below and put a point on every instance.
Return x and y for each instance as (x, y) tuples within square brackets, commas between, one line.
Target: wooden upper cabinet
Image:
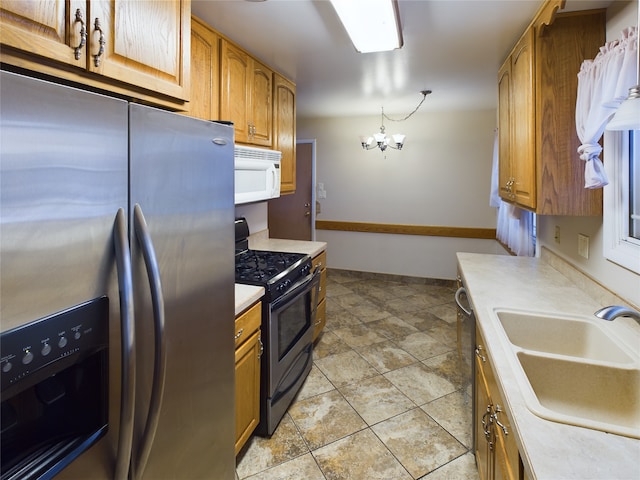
[(143, 43), (284, 131), (137, 48), (205, 67), (245, 95), (539, 167), (523, 126), (50, 30)]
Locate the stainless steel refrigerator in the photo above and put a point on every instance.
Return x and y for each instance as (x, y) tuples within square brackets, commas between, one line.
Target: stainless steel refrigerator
[(105, 199)]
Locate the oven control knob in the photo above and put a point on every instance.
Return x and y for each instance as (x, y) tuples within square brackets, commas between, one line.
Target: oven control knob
[(27, 357)]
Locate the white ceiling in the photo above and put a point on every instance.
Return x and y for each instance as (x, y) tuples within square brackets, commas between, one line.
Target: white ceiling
[(453, 47)]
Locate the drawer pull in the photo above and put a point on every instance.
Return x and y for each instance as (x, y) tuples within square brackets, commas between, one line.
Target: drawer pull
[(479, 353), (495, 418), (239, 334)]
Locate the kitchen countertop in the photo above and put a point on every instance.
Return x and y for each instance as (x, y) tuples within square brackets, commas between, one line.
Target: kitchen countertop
[(549, 450), (247, 295), (257, 242)]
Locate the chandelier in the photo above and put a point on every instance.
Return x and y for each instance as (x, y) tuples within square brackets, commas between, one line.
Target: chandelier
[(381, 140)]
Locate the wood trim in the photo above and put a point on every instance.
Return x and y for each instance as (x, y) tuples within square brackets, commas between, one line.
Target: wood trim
[(425, 230)]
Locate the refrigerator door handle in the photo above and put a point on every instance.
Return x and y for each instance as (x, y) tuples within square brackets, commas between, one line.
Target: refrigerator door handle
[(127, 328), (157, 391)]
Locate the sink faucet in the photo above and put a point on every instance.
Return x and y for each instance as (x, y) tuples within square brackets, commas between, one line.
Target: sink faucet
[(614, 311)]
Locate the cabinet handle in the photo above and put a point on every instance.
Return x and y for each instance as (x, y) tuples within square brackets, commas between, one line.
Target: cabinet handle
[(318, 322), (83, 34), (238, 335), (261, 347), (486, 426), (495, 417), (479, 354), (101, 41)]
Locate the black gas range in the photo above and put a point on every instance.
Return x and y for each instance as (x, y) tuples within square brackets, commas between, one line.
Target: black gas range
[(277, 272), (288, 317)]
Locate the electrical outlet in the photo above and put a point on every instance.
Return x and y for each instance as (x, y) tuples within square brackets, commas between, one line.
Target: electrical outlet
[(583, 245), (556, 237)]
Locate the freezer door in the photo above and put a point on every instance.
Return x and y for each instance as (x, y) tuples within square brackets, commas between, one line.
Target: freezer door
[(181, 174), (63, 177)]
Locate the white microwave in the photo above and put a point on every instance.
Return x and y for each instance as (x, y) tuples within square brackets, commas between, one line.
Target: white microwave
[(257, 174)]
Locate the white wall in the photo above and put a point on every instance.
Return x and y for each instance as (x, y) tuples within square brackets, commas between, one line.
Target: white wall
[(619, 280), (440, 178)]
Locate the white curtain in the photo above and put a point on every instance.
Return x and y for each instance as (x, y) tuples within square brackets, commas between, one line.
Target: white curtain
[(515, 227), (603, 83)]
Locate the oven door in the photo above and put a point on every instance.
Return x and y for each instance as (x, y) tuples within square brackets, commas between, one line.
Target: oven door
[(290, 324)]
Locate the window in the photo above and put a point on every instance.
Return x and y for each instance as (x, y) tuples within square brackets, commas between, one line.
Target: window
[(622, 199)]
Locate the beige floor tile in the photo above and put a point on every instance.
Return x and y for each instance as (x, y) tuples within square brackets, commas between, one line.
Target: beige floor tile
[(329, 344), (392, 327), (422, 345), (453, 413), (462, 468), (446, 312), (386, 356), (345, 368), (420, 383), (263, 453), (359, 457), (359, 335), (449, 365), (315, 384), (325, 418), (304, 467), (376, 399), (418, 442)]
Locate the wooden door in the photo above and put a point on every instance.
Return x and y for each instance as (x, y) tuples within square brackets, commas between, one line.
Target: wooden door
[(205, 65), (234, 95), (143, 43), (523, 117), (261, 117), (284, 131), (49, 29), (290, 215)]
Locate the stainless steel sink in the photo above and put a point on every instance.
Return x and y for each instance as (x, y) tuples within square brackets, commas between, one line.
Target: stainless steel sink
[(574, 370)]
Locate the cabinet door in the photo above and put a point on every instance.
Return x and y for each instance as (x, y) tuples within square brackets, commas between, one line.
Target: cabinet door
[(284, 126), (484, 434), (522, 148), (247, 389), (205, 64), (234, 95), (48, 29), (143, 43), (260, 117), (504, 132)]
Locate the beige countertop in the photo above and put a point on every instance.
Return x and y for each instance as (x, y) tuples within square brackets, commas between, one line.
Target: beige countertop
[(247, 295), (549, 450), (258, 242)]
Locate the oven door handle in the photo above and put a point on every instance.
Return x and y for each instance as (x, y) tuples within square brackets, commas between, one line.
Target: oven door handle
[(313, 279)]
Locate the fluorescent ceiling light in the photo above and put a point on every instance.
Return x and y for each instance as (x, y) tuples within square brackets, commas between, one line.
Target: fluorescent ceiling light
[(373, 25)]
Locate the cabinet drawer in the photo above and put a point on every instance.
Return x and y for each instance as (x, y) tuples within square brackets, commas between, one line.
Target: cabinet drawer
[(321, 319), (320, 260), (247, 323)]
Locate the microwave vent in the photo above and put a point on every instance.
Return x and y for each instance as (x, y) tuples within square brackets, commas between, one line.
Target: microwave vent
[(253, 153)]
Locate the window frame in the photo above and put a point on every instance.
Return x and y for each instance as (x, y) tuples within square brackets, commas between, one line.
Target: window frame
[(617, 245)]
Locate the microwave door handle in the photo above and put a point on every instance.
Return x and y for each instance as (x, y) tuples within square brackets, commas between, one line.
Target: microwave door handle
[(274, 179), (159, 364), (128, 360)]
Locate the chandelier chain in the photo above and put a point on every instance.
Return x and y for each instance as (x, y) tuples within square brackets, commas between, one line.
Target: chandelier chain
[(424, 96)]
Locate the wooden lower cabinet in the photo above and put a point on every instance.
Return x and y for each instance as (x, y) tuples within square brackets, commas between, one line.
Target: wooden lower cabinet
[(495, 446), (320, 261), (248, 352)]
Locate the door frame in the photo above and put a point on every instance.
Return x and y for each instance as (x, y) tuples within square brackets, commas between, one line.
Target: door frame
[(312, 141)]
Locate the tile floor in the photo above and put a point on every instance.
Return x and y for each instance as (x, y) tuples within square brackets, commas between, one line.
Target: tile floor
[(386, 398)]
